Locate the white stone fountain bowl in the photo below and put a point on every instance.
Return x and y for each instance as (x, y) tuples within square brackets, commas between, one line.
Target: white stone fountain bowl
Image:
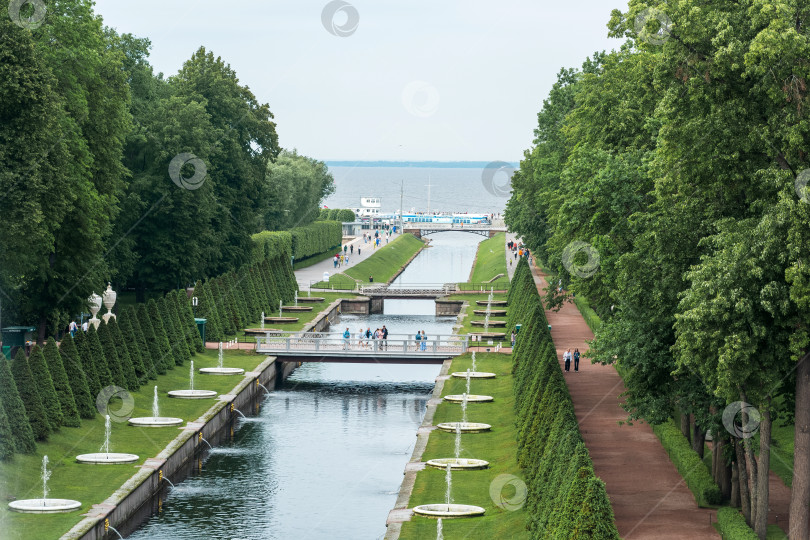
[(151, 421), (464, 427), (222, 370), (448, 510), (458, 463), (471, 398), (102, 458), (474, 375), (192, 394), (44, 506)]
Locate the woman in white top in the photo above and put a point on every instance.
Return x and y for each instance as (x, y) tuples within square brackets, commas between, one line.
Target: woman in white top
[(567, 358)]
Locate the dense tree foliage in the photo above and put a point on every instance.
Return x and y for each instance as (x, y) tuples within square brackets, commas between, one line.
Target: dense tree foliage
[(678, 163), (294, 187)]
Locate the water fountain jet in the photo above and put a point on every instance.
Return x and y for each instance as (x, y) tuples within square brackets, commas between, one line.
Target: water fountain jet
[(220, 370), (155, 420), (191, 393), (105, 457), (44, 505)]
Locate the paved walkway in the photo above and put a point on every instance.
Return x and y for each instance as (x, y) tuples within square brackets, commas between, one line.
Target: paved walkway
[(314, 273), (649, 497)]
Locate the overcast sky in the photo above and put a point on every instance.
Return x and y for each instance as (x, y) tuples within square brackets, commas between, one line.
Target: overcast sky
[(417, 80)]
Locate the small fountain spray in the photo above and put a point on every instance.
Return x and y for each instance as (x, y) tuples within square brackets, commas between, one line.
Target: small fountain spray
[(448, 478), (220, 369), (155, 420), (262, 323), (468, 381), (296, 298), (221, 356), (458, 440), (463, 407), (439, 535), (280, 306), (191, 393), (105, 447), (44, 505), (104, 456), (473, 361), (191, 377), (155, 407)]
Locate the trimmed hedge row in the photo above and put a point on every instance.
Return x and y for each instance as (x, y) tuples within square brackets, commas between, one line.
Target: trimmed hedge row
[(344, 215), (689, 465), (565, 499), (732, 525), (316, 238)]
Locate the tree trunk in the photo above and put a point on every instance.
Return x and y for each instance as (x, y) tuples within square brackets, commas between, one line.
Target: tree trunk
[(735, 486), (698, 439), (685, 426), (42, 330), (742, 481), (716, 446), (140, 294), (723, 475), (800, 494), (763, 468)]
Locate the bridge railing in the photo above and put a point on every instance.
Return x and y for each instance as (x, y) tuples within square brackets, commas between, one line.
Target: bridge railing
[(499, 285), (326, 343)]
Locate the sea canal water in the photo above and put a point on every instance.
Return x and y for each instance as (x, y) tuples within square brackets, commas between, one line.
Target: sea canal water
[(325, 455)]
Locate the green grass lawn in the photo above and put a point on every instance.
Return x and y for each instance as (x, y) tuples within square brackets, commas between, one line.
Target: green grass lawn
[(491, 261), (383, 264), (498, 447), (92, 484), (467, 327), (304, 317)]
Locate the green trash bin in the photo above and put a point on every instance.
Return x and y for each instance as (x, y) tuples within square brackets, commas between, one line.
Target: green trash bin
[(517, 328), (15, 336), (201, 327)]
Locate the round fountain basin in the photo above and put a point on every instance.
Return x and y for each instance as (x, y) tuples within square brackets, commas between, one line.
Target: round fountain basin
[(464, 427), (192, 394), (486, 335), (474, 375), (310, 299), (261, 332), (458, 463), (471, 398), (222, 370), (281, 320), (111, 458), (293, 309), (491, 323), (492, 312), (448, 510), (151, 421), (493, 303), (44, 506)]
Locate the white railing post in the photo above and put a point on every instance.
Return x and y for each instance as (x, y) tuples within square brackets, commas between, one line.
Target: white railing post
[(288, 343)]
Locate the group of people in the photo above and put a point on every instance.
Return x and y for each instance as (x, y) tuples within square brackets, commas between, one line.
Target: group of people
[(73, 327), (377, 238), (366, 339), (567, 359), (519, 250)]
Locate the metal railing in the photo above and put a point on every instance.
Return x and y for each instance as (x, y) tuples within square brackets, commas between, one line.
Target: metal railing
[(499, 285), (335, 343)]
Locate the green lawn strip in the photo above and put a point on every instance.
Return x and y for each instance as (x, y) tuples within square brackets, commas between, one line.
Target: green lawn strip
[(92, 484), (491, 261), (498, 447), (466, 322), (383, 264), (304, 317)]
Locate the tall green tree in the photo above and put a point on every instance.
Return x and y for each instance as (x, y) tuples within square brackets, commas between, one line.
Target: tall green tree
[(7, 446), (136, 351), (156, 352), (45, 388), (294, 188), (29, 394), (14, 409), (77, 378), (67, 403)]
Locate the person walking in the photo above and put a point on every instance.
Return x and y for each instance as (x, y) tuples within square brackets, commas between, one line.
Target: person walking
[(418, 339), (513, 338), (85, 326), (72, 328), (567, 358), (424, 341), (385, 338), (345, 249), (360, 344), (335, 261), (346, 337), (351, 249), (576, 359)]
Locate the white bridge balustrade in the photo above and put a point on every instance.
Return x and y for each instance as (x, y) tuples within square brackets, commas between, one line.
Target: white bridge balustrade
[(332, 346)]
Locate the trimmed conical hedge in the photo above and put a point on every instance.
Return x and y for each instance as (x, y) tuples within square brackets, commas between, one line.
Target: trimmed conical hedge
[(29, 394), (82, 343), (45, 388), (140, 336), (133, 346), (14, 408), (67, 403), (111, 355), (77, 378), (159, 329), (7, 447), (99, 359), (155, 353), (124, 358)]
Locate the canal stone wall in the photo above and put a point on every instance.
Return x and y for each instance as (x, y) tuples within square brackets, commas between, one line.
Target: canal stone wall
[(446, 307)]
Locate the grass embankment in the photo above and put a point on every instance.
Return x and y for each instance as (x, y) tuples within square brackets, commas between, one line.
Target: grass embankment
[(304, 317), (497, 446), (466, 322), (491, 261), (92, 484), (385, 263)]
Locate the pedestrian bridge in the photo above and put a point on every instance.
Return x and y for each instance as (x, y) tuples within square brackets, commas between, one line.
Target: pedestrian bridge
[(387, 291), (332, 347), (421, 229)]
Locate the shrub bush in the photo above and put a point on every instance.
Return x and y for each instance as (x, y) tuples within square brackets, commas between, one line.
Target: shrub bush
[(689, 465), (732, 525)]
